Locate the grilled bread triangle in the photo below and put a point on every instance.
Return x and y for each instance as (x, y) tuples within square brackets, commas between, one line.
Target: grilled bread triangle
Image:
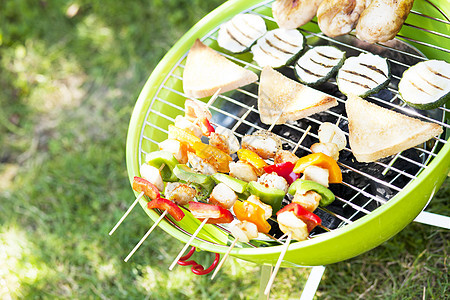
[(376, 132), (282, 99), (206, 71)]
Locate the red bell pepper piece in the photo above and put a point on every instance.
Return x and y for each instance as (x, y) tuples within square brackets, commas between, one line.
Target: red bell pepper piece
[(311, 220), (284, 169), (214, 213), (142, 185), (164, 204)]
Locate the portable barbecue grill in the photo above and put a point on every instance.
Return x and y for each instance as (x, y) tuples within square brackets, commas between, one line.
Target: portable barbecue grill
[(375, 200)]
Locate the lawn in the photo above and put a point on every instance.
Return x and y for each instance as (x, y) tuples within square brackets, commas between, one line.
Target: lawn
[(70, 73)]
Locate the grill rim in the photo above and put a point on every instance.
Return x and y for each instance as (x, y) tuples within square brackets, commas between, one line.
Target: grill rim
[(269, 255)]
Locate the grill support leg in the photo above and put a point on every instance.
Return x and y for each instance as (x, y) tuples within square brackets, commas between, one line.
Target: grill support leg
[(266, 271), (308, 291), (312, 283)]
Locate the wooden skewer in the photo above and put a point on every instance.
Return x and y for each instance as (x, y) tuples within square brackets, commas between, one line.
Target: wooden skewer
[(330, 139), (145, 236), (277, 266), (239, 122), (224, 259), (301, 139), (276, 120), (338, 120), (127, 213), (131, 207), (188, 244), (282, 237)]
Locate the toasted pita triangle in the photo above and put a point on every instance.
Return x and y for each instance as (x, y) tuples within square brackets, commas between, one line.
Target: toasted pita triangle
[(206, 71), (282, 99), (376, 132)]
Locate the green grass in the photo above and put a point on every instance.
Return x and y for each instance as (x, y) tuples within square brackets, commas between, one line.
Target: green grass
[(68, 84)]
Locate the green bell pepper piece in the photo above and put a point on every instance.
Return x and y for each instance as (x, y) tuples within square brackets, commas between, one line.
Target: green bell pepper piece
[(183, 172), (237, 185), (158, 158), (303, 186), (271, 196), (202, 183)]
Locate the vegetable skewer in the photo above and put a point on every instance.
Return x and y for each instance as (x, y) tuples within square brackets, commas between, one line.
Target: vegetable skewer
[(296, 222), (145, 188), (157, 202), (208, 213), (242, 232), (188, 244)]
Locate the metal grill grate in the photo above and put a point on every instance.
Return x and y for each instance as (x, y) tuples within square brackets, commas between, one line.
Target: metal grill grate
[(365, 186)]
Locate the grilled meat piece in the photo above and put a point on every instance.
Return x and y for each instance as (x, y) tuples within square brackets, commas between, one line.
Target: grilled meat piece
[(339, 17), (382, 20), (290, 14)]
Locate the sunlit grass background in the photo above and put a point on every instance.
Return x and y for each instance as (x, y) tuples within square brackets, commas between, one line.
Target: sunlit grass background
[(70, 72)]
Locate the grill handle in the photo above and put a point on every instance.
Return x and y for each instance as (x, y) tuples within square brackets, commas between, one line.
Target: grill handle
[(196, 268)]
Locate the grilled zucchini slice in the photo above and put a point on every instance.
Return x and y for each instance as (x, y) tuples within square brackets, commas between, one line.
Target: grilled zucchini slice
[(241, 32), (318, 64), (363, 75), (278, 47), (426, 85)]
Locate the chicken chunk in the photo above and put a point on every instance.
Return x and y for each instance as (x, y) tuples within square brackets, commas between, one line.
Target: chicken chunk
[(289, 223), (152, 175), (195, 110), (291, 14), (316, 174), (339, 17), (242, 171), (179, 193), (178, 149), (284, 156), (329, 149), (309, 200), (243, 231), (224, 139), (263, 143), (382, 20), (273, 180), (185, 124), (331, 133), (223, 195), (200, 165), (267, 208)]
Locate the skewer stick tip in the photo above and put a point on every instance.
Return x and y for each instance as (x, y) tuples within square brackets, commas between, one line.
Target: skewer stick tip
[(145, 236), (301, 139), (223, 259), (126, 213), (187, 244), (277, 266)]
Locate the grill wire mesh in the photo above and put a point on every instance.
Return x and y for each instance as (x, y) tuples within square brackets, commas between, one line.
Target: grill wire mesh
[(366, 186)]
